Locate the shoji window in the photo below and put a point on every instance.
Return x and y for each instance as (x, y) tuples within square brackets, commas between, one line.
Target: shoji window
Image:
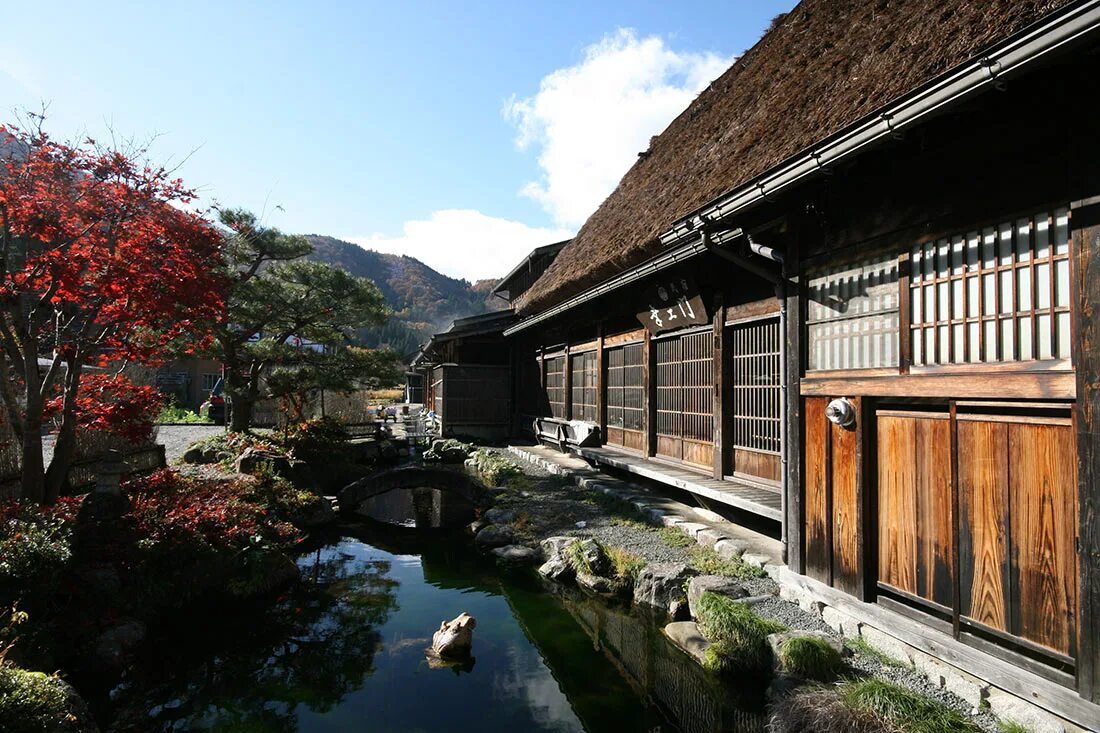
[(1000, 294), (685, 387), (583, 386), (555, 385), (852, 316), (625, 385)]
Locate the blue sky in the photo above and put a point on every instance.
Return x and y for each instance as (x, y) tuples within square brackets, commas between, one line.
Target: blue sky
[(460, 133)]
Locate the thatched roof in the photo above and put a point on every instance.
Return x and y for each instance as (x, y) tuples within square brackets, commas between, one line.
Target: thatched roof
[(823, 67)]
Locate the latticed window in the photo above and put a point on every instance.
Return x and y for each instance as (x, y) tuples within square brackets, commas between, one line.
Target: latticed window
[(995, 295), (685, 387), (555, 385), (625, 387), (583, 386), (852, 316), (756, 385)]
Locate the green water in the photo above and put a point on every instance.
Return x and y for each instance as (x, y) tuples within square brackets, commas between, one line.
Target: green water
[(345, 652)]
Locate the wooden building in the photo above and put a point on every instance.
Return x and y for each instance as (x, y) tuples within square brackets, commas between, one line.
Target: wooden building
[(850, 293)]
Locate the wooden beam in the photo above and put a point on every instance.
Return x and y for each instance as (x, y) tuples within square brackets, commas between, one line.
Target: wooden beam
[(567, 379), (719, 405), (792, 409), (992, 385), (1085, 269)]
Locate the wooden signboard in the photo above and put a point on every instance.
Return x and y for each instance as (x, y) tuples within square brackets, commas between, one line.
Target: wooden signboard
[(673, 304)]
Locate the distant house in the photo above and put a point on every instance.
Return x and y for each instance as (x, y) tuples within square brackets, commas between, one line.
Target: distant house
[(850, 295)]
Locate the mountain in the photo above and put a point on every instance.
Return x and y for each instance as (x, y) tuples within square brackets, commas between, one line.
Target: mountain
[(423, 301)]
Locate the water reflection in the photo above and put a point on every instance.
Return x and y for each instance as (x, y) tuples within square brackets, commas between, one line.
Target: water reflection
[(419, 508)]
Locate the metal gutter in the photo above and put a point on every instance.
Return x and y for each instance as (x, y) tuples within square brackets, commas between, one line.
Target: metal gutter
[(1000, 62)]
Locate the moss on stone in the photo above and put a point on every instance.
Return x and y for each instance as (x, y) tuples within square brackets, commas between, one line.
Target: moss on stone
[(32, 702), (739, 635)]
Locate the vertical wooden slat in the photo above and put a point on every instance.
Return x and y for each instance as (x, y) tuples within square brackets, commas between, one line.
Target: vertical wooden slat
[(601, 383), (720, 399), (897, 509), (1085, 269), (567, 385), (650, 395), (846, 504), (792, 411), (817, 560)]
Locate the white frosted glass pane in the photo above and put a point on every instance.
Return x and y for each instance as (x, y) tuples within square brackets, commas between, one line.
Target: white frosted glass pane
[(1023, 288), (1023, 337), (915, 265), (1008, 341), (1006, 291), (958, 356), (957, 245), (929, 346), (915, 308), (974, 346), (1045, 336), (1042, 285), (944, 355), (1063, 336), (1004, 246), (989, 294), (989, 331), (1061, 231), (1042, 237), (943, 301), (957, 298), (915, 342), (971, 297), (1023, 240), (1061, 282), (929, 304)]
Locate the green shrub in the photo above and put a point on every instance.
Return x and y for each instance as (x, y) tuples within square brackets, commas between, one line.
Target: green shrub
[(316, 439), (33, 702), (904, 709), (708, 562), (495, 469), (740, 634), (810, 658), (177, 414), (35, 547)]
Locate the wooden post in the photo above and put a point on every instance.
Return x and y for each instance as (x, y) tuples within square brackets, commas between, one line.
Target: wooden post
[(792, 410), (650, 402), (1085, 269), (601, 385), (567, 380), (720, 410)]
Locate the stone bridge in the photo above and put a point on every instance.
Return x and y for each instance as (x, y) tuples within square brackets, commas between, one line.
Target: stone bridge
[(411, 477)]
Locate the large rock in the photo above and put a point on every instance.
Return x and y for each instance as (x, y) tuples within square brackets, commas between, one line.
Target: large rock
[(719, 584), (661, 585), (595, 584), (499, 516), (557, 569), (687, 636), (556, 546), (594, 558), (518, 554), (199, 455), (494, 536), (455, 637)]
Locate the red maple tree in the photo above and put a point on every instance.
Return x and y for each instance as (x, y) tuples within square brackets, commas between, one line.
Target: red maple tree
[(101, 264)]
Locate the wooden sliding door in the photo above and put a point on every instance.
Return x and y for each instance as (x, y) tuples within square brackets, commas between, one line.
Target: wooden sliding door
[(626, 419), (684, 372), (755, 442)]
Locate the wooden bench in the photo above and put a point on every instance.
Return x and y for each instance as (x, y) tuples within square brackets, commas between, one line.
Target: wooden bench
[(566, 434)]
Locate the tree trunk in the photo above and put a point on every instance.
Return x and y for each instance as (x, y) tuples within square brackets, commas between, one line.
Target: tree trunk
[(241, 416), (64, 449), (33, 485)]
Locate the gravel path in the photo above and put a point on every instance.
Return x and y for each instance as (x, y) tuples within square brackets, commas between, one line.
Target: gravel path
[(176, 438)]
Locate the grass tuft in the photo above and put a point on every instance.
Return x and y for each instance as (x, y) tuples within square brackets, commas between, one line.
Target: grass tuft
[(810, 658), (708, 562), (625, 564), (904, 709), (674, 537), (738, 633)]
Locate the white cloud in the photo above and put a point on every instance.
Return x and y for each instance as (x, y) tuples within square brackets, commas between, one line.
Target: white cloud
[(589, 121), (465, 243)]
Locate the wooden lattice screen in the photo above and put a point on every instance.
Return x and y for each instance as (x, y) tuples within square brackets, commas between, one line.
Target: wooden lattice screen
[(755, 385), (583, 386), (555, 385), (625, 385), (685, 398)]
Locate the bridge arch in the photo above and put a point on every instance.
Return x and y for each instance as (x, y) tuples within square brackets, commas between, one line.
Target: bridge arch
[(410, 477)]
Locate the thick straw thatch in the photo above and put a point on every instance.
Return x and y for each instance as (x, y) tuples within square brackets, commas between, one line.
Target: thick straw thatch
[(824, 66)]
